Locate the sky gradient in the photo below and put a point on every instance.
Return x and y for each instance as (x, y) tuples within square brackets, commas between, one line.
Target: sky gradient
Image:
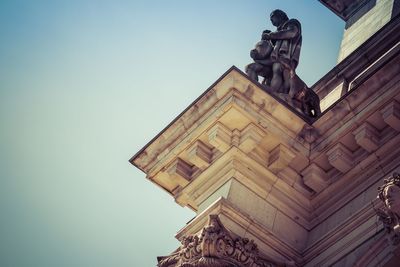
[(84, 85)]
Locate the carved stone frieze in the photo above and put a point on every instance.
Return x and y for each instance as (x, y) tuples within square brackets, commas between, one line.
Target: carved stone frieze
[(215, 246), (389, 193)]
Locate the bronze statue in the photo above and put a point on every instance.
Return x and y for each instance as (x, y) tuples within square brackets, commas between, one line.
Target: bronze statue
[(276, 58), (278, 51), (262, 65)]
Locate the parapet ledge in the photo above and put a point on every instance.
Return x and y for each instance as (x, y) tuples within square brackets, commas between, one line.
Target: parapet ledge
[(352, 71)]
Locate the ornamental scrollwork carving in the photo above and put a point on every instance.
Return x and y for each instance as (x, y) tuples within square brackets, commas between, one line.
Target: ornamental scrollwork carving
[(389, 215), (215, 246)]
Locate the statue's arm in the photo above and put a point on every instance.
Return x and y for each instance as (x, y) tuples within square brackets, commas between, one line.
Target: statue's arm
[(290, 32)]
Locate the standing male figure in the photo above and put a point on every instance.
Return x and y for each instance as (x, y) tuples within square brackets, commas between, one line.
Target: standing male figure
[(286, 53)]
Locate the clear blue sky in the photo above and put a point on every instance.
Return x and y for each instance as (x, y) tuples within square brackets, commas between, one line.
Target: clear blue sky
[(84, 85)]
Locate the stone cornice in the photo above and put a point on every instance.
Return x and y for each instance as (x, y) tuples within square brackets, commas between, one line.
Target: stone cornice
[(233, 78), (358, 103)]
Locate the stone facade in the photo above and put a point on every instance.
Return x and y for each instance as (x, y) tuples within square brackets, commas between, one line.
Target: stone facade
[(369, 18), (286, 190)]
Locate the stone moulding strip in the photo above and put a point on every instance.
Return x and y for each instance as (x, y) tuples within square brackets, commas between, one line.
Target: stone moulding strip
[(375, 66), (364, 216), (375, 249), (260, 180), (349, 225)]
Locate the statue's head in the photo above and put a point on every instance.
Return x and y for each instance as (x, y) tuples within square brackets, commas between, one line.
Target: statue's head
[(389, 193), (278, 17)]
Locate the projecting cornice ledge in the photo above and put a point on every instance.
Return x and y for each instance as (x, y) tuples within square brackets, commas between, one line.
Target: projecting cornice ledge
[(215, 246), (343, 8), (234, 111)]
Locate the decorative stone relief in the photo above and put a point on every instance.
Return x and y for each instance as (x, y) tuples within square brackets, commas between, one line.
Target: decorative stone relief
[(389, 193), (215, 246)]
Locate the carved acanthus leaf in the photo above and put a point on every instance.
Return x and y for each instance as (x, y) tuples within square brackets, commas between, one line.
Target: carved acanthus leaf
[(215, 246), (389, 217)]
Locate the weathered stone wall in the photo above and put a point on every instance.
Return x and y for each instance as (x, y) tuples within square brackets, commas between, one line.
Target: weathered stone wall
[(365, 26)]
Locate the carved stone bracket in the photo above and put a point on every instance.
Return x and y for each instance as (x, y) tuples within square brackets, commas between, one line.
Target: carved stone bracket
[(180, 171), (219, 136), (250, 137), (391, 115), (367, 136), (315, 178), (280, 157), (200, 154), (215, 246), (340, 157)]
